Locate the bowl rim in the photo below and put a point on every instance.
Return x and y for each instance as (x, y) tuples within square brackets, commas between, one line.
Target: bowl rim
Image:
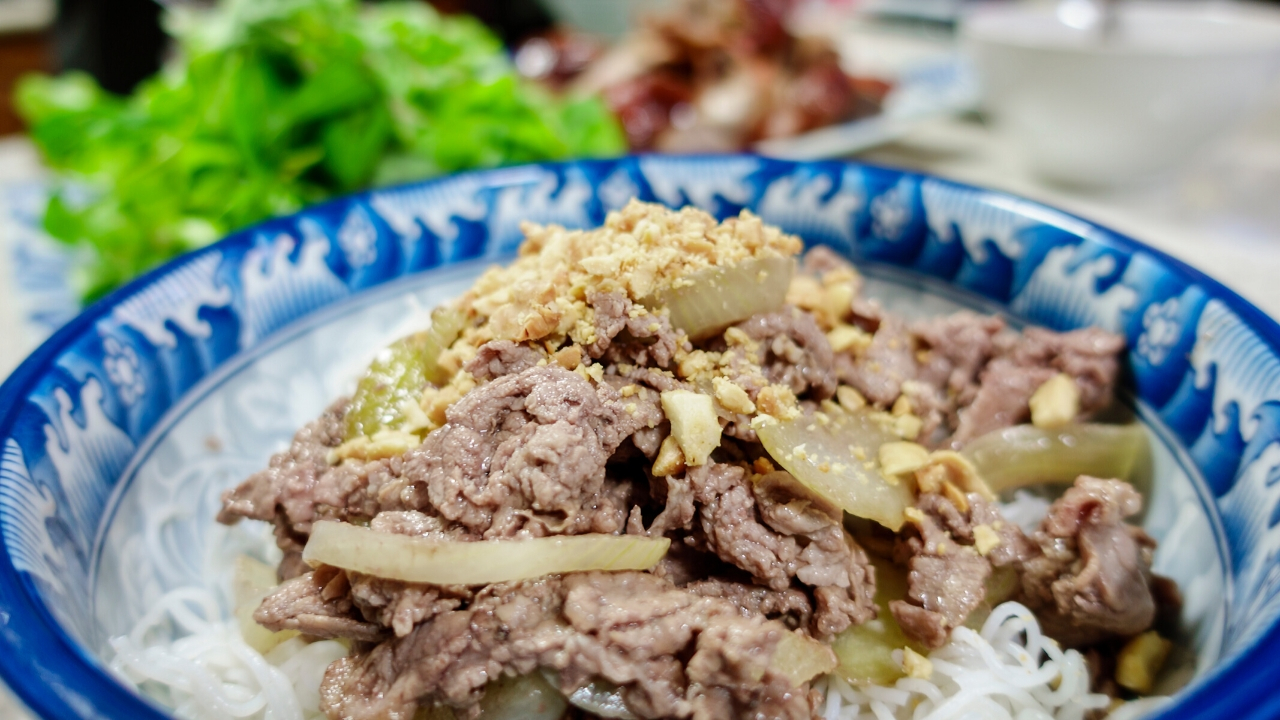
[(57, 678)]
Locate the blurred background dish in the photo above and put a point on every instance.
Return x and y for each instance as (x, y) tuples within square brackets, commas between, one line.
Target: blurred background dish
[(1094, 110)]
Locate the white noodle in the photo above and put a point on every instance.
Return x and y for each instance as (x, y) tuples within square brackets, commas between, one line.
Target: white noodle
[(183, 655), (1008, 671)]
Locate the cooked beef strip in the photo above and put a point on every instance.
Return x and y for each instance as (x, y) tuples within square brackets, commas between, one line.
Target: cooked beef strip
[(1024, 362), (790, 605), (402, 606), (947, 577), (1085, 572), (1092, 578), (758, 540), (525, 454), (879, 371), (955, 349), (674, 653), (644, 388), (291, 475), (503, 357), (793, 351), (621, 337), (316, 604)]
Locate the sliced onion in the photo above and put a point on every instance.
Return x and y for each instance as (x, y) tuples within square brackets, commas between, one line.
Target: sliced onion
[(1026, 455), (447, 323), (836, 459), (415, 559), (712, 299), (399, 373), (251, 581), (1001, 585), (800, 659), (526, 697), (865, 651)]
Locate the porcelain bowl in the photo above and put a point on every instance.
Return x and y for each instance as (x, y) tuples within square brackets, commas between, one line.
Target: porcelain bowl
[(1094, 112), (119, 433)]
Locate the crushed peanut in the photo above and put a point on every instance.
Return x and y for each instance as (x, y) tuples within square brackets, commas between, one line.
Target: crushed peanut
[(1056, 402), (850, 399), (778, 401), (640, 250), (985, 539), (900, 458), (902, 406), (569, 357), (732, 397), (1141, 660), (694, 424), (383, 444), (670, 459), (845, 338), (907, 427), (916, 665)]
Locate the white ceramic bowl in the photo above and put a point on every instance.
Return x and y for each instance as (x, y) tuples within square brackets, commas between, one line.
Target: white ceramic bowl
[(1088, 112)]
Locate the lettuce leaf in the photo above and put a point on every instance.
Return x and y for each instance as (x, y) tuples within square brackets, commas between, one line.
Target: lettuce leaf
[(271, 105)]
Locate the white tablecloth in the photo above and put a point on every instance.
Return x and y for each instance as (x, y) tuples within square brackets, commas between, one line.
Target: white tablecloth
[(1221, 214)]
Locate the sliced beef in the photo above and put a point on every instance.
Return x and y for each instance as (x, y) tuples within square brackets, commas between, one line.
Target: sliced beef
[(503, 357), (821, 260), (947, 572), (676, 492), (635, 627), (523, 454), (777, 538), (641, 391), (1024, 362), (316, 604), (1002, 399), (947, 577), (402, 606), (1092, 578), (447, 659), (628, 333), (1091, 357), (956, 348), (300, 487), (879, 371), (291, 475), (673, 652), (793, 351), (790, 605)]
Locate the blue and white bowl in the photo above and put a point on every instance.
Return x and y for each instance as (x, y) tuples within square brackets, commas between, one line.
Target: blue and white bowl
[(118, 434)]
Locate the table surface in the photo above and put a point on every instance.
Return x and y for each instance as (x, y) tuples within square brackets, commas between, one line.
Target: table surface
[(1220, 213)]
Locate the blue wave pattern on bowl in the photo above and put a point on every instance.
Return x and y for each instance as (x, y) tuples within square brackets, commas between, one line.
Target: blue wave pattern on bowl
[(1204, 361)]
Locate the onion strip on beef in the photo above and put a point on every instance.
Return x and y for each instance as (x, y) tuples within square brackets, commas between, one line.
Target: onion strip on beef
[(833, 453), (1024, 455), (712, 299), (415, 559)]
